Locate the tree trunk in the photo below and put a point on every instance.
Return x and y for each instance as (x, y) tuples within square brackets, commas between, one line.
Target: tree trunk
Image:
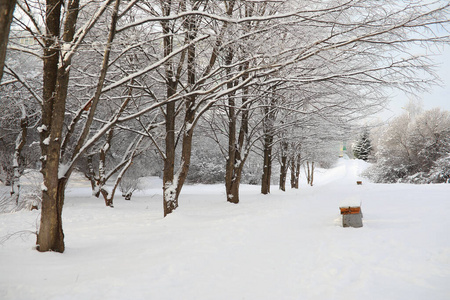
[(6, 15), (18, 161), (267, 167), (169, 192), (292, 167), (90, 174), (235, 161), (232, 188), (268, 127), (308, 173), (189, 117), (51, 236), (56, 81), (295, 171), (169, 199), (283, 166), (186, 153)]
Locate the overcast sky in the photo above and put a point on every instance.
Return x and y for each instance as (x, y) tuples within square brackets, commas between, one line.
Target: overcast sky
[(439, 96)]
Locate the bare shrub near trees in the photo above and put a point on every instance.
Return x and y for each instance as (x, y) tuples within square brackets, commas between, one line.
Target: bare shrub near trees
[(413, 148)]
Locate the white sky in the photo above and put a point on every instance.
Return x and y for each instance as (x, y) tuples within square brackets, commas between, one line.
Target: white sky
[(438, 96)]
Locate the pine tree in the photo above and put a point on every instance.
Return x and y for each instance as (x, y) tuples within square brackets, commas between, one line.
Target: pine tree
[(363, 147)]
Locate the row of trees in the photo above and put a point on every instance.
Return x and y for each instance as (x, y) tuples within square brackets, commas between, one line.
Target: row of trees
[(120, 80)]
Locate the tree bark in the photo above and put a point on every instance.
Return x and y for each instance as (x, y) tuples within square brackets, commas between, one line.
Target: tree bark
[(295, 171), (6, 15), (190, 102), (293, 178), (18, 160), (56, 81), (236, 159), (267, 167), (310, 173), (170, 201), (283, 166), (51, 236)]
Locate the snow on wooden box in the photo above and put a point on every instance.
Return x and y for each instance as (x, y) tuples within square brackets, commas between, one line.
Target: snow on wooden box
[(350, 210)]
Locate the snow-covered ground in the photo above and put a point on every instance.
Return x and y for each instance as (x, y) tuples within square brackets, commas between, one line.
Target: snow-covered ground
[(281, 246)]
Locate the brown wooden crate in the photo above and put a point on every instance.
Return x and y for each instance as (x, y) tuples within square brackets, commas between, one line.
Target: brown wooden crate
[(350, 210)]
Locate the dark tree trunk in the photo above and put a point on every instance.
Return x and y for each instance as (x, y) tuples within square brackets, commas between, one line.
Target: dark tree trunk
[(51, 236), (56, 81), (283, 166), (267, 167), (190, 102), (293, 178), (169, 195), (6, 15), (232, 188), (169, 192), (236, 159), (308, 173), (268, 127)]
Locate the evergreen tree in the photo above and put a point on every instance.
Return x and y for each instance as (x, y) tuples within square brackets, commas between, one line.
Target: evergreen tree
[(363, 147)]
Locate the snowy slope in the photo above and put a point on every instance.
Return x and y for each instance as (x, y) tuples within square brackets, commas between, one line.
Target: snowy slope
[(280, 246)]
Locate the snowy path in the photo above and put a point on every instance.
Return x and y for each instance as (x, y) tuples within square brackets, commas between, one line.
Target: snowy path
[(280, 246)]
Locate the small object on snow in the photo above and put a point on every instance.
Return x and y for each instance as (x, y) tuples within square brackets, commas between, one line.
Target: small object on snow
[(359, 182), (351, 216)]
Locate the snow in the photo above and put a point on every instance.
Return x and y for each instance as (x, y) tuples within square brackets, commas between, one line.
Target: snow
[(46, 141), (280, 246), (42, 128), (62, 170)]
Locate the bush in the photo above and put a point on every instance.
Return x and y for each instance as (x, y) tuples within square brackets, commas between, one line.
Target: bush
[(414, 149)]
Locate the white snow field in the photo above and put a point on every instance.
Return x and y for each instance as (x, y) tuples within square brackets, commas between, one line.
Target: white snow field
[(286, 245)]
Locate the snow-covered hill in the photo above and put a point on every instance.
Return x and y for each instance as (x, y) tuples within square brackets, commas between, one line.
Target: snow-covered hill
[(280, 246)]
